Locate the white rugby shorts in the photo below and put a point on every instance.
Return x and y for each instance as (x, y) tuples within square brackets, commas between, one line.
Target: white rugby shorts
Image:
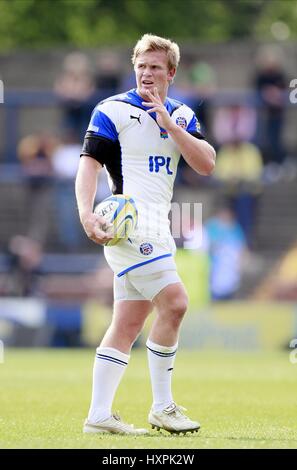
[(133, 286), (141, 255), (142, 267)]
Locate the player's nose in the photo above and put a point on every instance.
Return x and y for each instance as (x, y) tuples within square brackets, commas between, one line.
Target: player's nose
[(147, 72)]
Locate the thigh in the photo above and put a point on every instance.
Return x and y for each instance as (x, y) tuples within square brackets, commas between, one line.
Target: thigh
[(150, 285), (130, 313), (130, 307), (123, 289)]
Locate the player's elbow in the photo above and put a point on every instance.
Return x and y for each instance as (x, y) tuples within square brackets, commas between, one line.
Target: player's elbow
[(208, 168), (209, 162)]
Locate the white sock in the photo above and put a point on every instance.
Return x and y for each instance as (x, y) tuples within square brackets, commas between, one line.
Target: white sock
[(109, 367), (161, 360)]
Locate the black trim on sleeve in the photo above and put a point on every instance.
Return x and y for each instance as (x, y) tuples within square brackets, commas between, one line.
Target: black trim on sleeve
[(109, 154), (97, 147), (197, 135)]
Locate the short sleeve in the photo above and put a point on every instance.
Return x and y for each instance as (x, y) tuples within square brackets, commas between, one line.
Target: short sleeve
[(101, 140), (194, 128), (102, 125)]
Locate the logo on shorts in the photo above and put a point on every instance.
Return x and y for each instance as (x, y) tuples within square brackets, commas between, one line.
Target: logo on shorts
[(182, 122), (146, 248)]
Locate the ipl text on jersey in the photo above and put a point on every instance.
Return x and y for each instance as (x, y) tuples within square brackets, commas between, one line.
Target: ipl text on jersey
[(156, 162)]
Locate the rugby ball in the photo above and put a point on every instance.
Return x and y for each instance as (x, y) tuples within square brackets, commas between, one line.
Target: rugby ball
[(121, 212)]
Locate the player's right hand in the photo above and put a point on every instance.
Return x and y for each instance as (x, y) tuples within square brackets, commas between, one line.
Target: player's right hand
[(96, 229)]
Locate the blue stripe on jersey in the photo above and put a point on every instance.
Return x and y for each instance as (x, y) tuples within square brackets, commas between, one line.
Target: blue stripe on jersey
[(172, 105), (130, 97), (102, 125), (142, 264)]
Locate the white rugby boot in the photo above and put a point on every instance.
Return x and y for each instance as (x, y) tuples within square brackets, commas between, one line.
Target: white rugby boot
[(113, 425), (173, 420)]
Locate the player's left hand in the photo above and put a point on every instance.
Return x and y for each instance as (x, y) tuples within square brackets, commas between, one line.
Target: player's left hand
[(156, 106)]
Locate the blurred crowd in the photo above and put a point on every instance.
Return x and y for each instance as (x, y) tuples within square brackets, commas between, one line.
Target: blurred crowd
[(246, 130)]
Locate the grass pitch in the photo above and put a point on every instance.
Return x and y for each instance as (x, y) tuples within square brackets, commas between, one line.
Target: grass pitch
[(242, 400)]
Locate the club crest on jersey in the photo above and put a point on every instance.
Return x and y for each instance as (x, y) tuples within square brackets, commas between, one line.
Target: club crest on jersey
[(146, 248), (181, 122)]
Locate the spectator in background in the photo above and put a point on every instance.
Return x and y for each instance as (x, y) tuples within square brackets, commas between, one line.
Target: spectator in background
[(270, 85), (226, 244), (76, 89), (239, 168), (25, 251), (203, 82), (108, 74), (195, 86), (234, 120), (25, 255), (65, 163), (35, 153)]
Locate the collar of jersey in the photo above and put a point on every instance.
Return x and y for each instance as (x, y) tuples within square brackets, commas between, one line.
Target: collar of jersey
[(133, 98), (137, 100)]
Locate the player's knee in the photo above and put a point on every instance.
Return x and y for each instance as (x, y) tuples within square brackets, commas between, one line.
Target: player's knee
[(178, 307)]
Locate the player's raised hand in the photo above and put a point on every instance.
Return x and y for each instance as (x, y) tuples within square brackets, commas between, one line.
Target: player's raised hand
[(157, 106), (96, 228)]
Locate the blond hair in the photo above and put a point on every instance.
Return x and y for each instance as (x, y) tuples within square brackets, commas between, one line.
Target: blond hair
[(150, 43)]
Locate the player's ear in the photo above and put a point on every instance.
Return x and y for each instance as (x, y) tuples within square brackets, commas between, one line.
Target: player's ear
[(171, 74)]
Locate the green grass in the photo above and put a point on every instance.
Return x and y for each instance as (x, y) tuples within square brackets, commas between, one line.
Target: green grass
[(243, 400)]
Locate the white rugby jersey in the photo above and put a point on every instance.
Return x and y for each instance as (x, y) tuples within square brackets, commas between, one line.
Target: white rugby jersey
[(141, 158)]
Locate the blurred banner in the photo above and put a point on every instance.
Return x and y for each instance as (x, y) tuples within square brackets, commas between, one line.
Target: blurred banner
[(235, 326)]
